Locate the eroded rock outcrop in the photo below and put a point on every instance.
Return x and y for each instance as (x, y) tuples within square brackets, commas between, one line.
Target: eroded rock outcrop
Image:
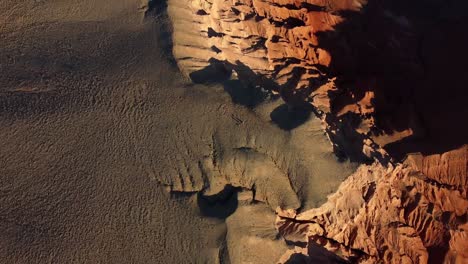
[(395, 214), (372, 69)]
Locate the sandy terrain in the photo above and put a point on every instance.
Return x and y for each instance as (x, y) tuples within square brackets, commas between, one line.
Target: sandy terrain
[(97, 126)]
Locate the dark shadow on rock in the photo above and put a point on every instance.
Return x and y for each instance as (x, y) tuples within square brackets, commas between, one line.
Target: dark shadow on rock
[(319, 254), (412, 55), (245, 95), (220, 205), (249, 89), (347, 142), (316, 254), (157, 12), (297, 259), (288, 118), (215, 72)]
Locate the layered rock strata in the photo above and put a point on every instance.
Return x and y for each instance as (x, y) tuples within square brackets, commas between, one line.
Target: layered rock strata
[(411, 213)]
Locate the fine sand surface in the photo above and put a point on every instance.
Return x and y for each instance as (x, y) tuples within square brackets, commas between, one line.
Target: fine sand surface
[(97, 126)]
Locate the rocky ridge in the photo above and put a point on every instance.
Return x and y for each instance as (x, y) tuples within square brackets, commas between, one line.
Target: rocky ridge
[(372, 70), (390, 214), (368, 68), (273, 44)]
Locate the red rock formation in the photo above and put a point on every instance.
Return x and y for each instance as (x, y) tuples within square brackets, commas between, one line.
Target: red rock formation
[(395, 214), (372, 69)]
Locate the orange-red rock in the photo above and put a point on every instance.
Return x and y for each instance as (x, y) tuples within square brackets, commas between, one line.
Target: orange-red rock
[(395, 215), (373, 69)]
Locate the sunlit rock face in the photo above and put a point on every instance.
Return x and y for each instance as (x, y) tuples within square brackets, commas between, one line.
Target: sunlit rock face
[(274, 43), (373, 69), (391, 214), (387, 79)]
